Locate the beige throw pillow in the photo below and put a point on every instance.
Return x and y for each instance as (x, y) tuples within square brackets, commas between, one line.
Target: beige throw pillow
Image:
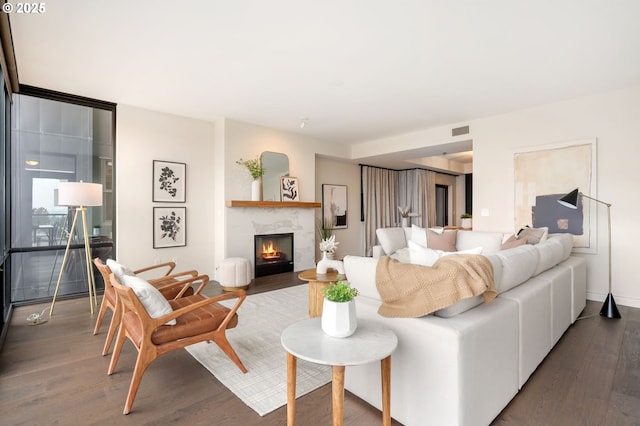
[(445, 241), (533, 235), (512, 242)]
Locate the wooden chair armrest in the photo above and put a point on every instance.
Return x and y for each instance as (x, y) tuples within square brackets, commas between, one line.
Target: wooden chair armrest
[(185, 284), (170, 265), (168, 278), (240, 294)]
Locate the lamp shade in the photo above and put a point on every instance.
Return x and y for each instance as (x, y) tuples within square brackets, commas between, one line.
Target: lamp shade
[(571, 199), (79, 194)]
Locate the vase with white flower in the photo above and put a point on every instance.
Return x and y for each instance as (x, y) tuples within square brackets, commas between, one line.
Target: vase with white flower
[(406, 215), (254, 166)]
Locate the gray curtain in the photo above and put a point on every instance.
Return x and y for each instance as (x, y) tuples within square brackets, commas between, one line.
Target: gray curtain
[(380, 202), (385, 190)]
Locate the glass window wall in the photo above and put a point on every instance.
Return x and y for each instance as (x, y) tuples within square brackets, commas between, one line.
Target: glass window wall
[(55, 141)]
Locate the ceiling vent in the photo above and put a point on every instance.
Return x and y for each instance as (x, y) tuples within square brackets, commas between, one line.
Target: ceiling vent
[(464, 130)]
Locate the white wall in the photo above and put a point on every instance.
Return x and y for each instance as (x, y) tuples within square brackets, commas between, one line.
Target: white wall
[(612, 118), (141, 137)]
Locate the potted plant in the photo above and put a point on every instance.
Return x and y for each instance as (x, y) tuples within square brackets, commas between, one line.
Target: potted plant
[(406, 215), (328, 243), (467, 220), (257, 171), (339, 310)]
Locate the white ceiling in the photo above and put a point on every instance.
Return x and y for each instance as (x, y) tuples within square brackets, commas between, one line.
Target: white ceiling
[(357, 70)]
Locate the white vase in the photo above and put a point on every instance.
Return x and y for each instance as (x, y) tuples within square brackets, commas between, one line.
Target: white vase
[(256, 190), (466, 223), (339, 318), (322, 264), (405, 222)]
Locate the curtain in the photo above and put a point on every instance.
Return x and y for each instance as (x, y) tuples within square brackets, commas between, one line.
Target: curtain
[(385, 190), (379, 202)]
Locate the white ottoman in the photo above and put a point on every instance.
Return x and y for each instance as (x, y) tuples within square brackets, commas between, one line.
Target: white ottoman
[(235, 273)]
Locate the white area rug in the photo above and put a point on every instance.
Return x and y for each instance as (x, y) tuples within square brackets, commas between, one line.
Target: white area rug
[(256, 340)]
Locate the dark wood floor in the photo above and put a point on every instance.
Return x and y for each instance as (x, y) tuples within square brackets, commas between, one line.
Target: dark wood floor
[(53, 374)]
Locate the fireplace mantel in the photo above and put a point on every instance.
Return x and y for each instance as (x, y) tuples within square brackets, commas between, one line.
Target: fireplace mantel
[(273, 204)]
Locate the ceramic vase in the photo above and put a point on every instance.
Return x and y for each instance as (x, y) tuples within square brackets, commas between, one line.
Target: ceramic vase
[(339, 318), (321, 265), (405, 222), (466, 223), (256, 190)]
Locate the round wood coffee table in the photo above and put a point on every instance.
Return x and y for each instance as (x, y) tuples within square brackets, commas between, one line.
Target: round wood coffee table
[(318, 282)]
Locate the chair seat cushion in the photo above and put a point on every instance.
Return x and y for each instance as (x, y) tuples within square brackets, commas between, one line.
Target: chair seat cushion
[(199, 321)]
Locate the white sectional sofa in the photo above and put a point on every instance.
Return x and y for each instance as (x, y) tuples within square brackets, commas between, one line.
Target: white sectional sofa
[(463, 364)]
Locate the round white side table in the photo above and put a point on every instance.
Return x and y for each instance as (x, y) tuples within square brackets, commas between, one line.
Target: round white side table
[(371, 342)]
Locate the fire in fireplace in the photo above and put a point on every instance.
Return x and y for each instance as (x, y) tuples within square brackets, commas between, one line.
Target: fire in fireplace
[(273, 254)]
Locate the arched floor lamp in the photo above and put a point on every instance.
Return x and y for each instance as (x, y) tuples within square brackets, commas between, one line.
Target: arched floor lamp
[(609, 308), (79, 195)]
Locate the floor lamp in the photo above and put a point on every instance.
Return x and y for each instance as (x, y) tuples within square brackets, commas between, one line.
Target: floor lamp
[(609, 308), (79, 195)]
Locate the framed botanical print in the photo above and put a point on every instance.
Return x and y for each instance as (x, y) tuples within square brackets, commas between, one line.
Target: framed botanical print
[(289, 190), (169, 182), (334, 205), (169, 227)]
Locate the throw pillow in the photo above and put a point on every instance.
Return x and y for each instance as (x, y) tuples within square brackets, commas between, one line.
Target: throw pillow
[(118, 269), (445, 241), (512, 242), (152, 300), (391, 239), (533, 235), (419, 235), (419, 255), (427, 257)]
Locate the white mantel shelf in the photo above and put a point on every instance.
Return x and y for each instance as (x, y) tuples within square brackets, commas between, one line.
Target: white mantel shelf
[(273, 204)]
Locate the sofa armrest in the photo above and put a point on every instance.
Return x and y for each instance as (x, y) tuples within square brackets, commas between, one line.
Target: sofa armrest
[(377, 252), (361, 274)]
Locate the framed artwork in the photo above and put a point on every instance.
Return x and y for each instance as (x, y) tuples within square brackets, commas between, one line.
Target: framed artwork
[(334, 205), (289, 189), (543, 175), (169, 182), (169, 227)]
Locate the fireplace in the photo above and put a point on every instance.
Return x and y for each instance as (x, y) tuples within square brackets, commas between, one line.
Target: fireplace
[(273, 254)]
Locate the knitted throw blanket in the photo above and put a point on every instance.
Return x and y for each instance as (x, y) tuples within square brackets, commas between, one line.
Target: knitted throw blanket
[(411, 291)]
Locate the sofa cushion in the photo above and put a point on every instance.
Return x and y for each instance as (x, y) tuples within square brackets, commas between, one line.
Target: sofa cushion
[(361, 273), (425, 256), (401, 255), (489, 241), (443, 240), (391, 239), (550, 253), (419, 235), (518, 265), (460, 307), (567, 242)]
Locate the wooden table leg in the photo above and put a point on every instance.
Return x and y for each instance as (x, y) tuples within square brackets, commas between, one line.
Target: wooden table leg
[(337, 392), (385, 369), (291, 389)]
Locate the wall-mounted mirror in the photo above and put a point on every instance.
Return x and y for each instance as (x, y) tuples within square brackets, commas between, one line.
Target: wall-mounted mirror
[(275, 165)]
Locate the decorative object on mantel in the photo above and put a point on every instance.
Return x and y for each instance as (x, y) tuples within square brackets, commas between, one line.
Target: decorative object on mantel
[(467, 221), (405, 215), (609, 308), (257, 171), (289, 189), (339, 310)]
